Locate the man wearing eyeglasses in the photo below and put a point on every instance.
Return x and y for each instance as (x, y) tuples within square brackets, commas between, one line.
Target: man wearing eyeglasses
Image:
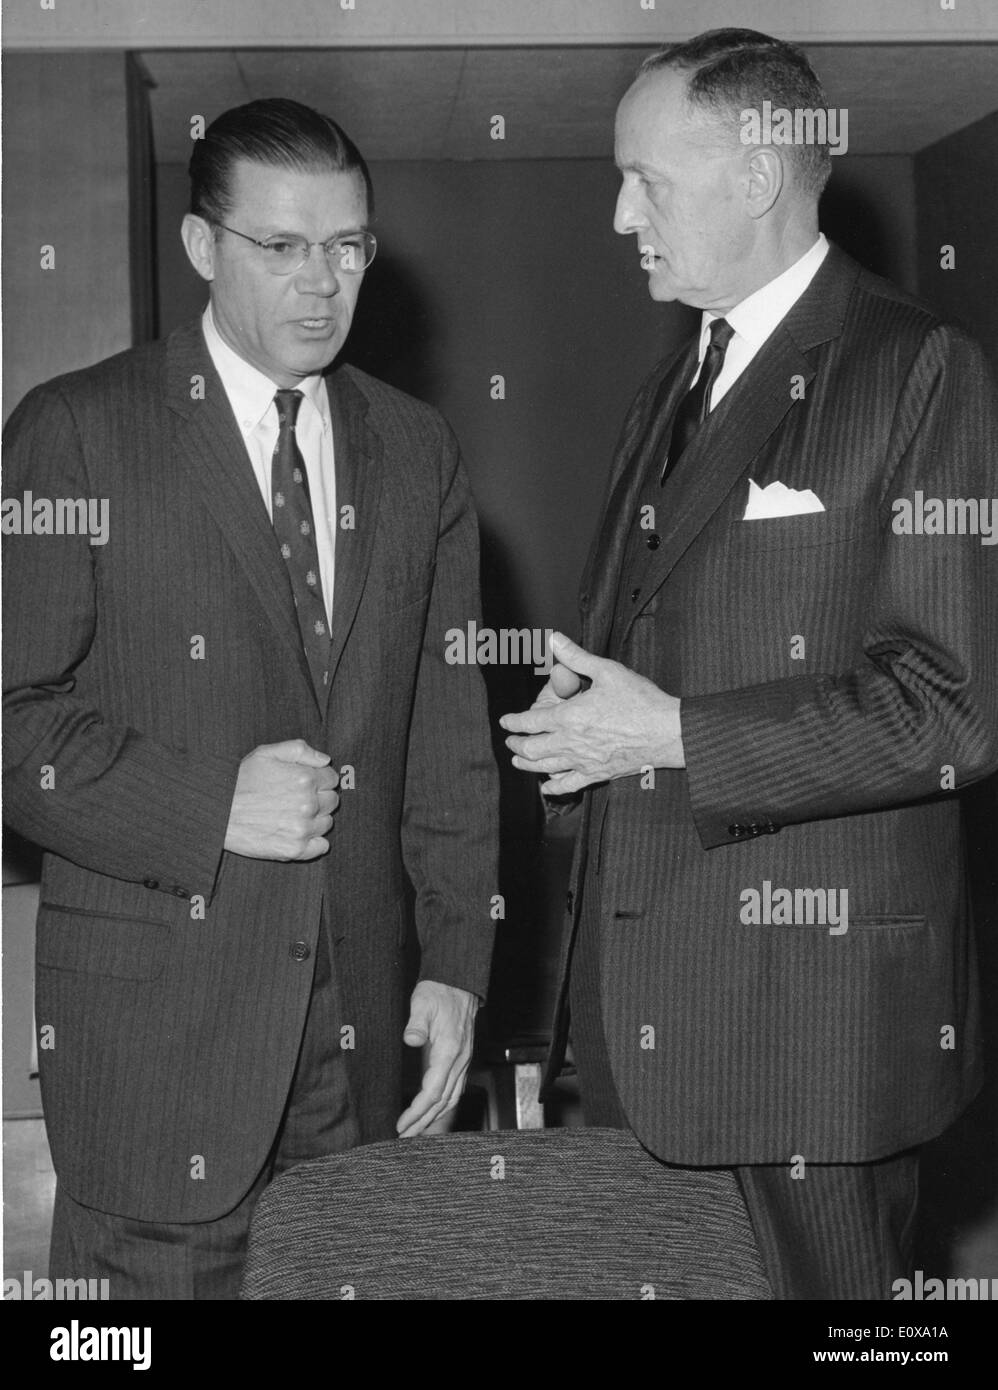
[(232, 729)]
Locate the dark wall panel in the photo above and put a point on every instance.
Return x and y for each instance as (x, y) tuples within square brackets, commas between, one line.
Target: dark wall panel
[(68, 184), (956, 194), (514, 269)]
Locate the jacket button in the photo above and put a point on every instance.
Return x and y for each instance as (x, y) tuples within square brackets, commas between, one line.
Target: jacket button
[(736, 830), (635, 595), (653, 541), (181, 892), (150, 883), (301, 950)]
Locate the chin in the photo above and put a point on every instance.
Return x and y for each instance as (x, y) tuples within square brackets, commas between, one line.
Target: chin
[(321, 360), (662, 290)]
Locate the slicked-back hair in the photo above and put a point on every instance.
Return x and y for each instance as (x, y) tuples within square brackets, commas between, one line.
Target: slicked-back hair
[(274, 131), (734, 70)]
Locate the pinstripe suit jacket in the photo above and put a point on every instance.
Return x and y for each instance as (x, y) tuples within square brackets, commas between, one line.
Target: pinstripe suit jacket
[(175, 1037), (814, 765)]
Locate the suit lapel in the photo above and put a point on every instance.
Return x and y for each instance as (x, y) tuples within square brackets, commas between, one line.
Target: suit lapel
[(359, 468), (214, 457), (724, 448), (630, 466), (733, 434)]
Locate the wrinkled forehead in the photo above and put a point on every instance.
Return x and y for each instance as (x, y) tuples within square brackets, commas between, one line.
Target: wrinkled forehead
[(656, 121)]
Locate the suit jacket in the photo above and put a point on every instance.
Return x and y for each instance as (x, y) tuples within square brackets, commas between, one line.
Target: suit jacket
[(174, 977), (822, 764)]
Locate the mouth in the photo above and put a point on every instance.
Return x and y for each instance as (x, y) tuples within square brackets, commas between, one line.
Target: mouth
[(316, 325)]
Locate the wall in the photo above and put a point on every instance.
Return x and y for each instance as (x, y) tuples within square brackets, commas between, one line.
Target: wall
[(956, 190), (194, 24), (514, 268), (69, 182)]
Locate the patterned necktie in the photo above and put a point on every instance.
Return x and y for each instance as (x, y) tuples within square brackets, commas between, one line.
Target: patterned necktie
[(695, 405), (295, 529)]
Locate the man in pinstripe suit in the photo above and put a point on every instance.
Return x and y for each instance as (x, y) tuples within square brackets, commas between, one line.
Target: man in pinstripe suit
[(779, 693), (257, 646)]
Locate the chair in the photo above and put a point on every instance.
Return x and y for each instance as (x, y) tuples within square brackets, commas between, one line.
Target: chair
[(560, 1214), (508, 1074)]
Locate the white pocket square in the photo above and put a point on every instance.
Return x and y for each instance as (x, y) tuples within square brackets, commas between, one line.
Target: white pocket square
[(779, 500)]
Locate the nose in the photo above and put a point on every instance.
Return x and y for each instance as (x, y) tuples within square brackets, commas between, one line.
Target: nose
[(628, 216), (319, 273)]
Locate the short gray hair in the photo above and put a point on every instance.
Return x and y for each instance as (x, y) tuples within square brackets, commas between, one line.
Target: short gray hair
[(734, 70)]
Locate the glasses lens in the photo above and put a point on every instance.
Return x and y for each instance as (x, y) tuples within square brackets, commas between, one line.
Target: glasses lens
[(352, 253), (282, 255)]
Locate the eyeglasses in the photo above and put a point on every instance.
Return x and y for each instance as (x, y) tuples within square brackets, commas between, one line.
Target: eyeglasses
[(283, 255)]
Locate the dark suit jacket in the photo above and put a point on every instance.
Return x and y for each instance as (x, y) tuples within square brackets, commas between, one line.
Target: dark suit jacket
[(774, 1040), (175, 1037)]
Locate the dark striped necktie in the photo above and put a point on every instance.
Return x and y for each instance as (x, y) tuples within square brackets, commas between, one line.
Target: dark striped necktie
[(695, 405), (295, 529)]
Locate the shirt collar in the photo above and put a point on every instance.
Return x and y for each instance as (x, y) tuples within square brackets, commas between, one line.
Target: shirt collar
[(758, 314), (250, 392)]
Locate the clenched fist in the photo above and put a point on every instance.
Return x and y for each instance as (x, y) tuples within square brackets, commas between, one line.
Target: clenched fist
[(283, 804)]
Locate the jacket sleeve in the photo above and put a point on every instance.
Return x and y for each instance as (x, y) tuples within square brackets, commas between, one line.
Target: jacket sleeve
[(450, 819), (924, 698), (101, 794)]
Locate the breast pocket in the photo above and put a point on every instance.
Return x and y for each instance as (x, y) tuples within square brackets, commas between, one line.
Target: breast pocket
[(803, 532), (412, 586), (90, 943)]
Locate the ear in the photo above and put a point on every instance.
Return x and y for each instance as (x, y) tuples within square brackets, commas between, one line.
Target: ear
[(199, 243), (765, 174)]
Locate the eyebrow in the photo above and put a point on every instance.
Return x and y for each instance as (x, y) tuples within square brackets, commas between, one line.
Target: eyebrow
[(342, 231), (637, 166)]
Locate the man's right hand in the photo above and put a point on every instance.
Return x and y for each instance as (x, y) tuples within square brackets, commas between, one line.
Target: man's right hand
[(283, 803)]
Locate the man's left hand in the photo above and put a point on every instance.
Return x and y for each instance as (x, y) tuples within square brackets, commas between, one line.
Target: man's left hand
[(620, 725), (441, 1019)]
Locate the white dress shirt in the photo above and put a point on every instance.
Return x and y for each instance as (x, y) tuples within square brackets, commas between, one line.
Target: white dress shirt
[(251, 396), (754, 319)]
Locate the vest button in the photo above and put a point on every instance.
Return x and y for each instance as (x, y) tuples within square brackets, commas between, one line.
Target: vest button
[(301, 950), (635, 595)]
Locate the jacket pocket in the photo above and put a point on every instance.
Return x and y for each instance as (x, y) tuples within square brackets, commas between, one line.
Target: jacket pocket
[(882, 921), (407, 587), (404, 920), (800, 532), (100, 943)]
